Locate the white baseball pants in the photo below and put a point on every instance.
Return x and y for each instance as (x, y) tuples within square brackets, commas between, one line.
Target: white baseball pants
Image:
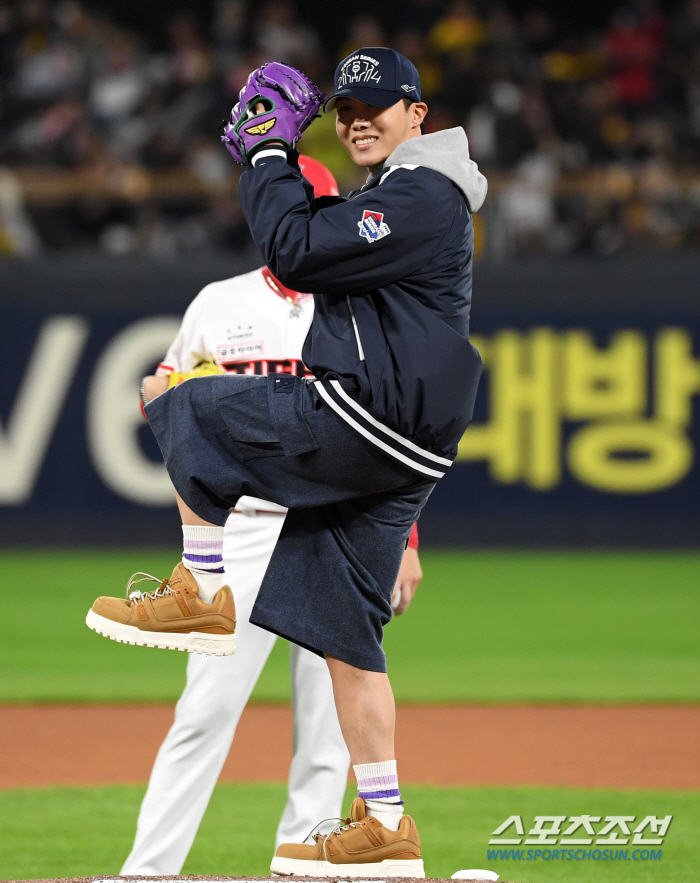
[(191, 757)]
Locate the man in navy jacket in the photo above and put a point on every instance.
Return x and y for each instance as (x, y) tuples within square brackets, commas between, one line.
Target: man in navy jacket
[(355, 452)]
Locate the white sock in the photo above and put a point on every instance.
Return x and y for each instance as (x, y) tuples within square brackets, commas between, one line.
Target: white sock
[(202, 555), (378, 786)]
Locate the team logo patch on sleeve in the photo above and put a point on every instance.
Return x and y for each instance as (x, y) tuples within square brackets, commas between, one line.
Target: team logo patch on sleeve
[(372, 226)]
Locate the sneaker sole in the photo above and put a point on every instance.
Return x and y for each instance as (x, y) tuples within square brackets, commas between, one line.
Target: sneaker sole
[(193, 642), (294, 867)]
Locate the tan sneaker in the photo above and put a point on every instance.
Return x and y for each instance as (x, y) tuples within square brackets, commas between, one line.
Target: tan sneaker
[(360, 847), (173, 616)]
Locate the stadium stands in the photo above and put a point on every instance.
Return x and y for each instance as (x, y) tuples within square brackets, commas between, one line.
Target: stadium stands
[(591, 141)]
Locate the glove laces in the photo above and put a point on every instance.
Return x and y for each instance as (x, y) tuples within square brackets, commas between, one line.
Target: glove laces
[(137, 595)]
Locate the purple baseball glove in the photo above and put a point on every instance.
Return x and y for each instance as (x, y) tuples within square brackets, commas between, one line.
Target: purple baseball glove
[(291, 102)]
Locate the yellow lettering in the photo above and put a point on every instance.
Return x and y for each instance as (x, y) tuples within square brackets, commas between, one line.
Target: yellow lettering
[(677, 376), (623, 451), (603, 383), (630, 458), (522, 440)]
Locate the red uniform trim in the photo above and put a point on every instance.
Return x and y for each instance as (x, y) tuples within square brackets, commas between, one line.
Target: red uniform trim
[(413, 538), (288, 294)]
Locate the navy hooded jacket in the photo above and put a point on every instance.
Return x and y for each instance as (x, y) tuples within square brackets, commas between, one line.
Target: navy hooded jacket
[(391, 273)]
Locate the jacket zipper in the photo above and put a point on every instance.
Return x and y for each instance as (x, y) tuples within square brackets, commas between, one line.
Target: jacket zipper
[(354, 325)]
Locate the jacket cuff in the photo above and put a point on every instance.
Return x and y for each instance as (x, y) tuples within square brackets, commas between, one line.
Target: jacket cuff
[(270, 151)]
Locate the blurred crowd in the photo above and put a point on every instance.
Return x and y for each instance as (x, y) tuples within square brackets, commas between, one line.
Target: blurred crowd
[(108, 141)]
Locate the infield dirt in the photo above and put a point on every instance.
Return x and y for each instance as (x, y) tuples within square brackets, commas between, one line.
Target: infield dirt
[(217, 879), (578, 746)]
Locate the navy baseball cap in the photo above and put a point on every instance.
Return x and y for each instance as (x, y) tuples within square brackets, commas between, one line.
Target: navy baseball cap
[(377, 76)]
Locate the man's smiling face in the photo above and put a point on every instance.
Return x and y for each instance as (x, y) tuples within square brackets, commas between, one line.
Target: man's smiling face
[(371, 134)]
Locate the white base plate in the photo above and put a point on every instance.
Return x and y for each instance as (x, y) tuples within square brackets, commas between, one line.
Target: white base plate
[(475, 874)]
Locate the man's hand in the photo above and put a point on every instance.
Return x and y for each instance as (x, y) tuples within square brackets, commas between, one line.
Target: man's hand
[(407, 582), (154, 385)]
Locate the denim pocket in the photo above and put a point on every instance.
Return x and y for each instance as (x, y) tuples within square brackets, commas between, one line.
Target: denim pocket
[(287, 405), (246, 416), (265, 418)]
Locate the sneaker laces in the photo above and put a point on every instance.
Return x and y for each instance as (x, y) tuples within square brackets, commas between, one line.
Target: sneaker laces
[(316, 833), (344, 825), (137, 595)]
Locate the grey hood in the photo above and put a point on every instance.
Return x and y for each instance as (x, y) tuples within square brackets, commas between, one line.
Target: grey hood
[(446, 152)]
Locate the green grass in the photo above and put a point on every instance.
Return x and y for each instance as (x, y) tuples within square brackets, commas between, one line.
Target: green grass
[(70, 832), (486, 627)]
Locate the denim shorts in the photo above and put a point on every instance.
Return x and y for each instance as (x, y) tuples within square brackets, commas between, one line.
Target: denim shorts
[(329, 583)]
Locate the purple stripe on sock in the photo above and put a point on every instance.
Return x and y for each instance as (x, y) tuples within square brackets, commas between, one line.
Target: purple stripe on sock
[(378, 781), (203, 544), (374, 795), (203, 559)]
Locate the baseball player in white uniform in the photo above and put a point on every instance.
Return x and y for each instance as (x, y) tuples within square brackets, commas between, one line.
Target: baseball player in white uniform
[(250, 324)]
